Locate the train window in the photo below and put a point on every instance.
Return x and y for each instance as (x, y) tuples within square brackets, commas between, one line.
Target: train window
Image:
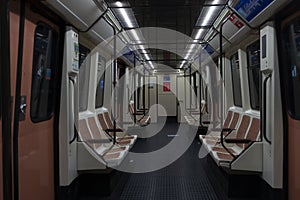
[(253, 55), (236, 80), (84, 77), (101, 82), (292, 65), (43, 73)]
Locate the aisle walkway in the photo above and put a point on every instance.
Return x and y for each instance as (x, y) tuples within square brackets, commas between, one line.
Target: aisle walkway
[(184, 179)]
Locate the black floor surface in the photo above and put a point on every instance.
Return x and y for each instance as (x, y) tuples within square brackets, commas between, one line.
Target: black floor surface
[(186, 178)]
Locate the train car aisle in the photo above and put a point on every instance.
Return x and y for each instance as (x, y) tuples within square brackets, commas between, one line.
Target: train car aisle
[(186, 178)]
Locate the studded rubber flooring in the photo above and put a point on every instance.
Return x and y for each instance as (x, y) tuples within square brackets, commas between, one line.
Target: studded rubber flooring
[(183, 179)]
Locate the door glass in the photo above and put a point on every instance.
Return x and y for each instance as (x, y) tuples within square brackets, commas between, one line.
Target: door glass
[(43, 73), (101, 82), (84, 77), (253, 54), (236, 80), (292, 65)]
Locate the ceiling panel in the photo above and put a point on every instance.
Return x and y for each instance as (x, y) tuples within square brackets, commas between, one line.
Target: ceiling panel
[(178, 15)]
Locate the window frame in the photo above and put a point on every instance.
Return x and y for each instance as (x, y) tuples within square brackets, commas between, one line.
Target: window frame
[(54, 71), (84, 54), (259, 79), (233, 86), (98, 84), (287, 76)]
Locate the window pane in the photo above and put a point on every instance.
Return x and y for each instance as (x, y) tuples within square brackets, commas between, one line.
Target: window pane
[(292, 65), (84, 77), (43, 73), (236, 80), (101, 82), (253, 54)]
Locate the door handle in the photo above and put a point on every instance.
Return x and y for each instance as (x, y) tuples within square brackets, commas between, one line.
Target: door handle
[(23, 108)]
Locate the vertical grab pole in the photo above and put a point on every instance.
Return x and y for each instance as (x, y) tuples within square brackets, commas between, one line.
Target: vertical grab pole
[(115, 84), (149, 82), (115, 66), (221, 58), (190, 88), (200, 92), (221, 72), (184, 80), (134, 89), (144, 92)]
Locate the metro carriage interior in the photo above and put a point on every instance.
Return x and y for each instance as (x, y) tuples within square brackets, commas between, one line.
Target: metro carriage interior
[(148, 99)]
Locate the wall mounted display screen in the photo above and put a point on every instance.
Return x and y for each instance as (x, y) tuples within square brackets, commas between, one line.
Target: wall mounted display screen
[(249, 9), (128, 54)]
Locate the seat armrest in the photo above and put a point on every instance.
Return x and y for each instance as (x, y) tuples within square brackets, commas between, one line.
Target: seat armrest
[(195, 113), (137, 113), (99, 141), (142, 109), (227, 129), (238, 141), (114, 130), (216, 129), (222, 141)]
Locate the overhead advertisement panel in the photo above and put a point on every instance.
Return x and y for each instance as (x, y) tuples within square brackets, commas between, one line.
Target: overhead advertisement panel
[(209, 49), (249, 9), (128, 54)]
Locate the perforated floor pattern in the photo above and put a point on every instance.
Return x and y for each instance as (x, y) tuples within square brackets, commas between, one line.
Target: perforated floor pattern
[(183, 179)]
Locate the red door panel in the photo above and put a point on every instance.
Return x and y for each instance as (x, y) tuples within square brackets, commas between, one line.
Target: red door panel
[(1, 177), (36, 149), (294, 161)]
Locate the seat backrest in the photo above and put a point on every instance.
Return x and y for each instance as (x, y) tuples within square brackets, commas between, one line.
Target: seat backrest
[(228, 119), (84, 131), (254, 130), (131, 108), (234, 120), (97, 133), (94, 130), (102, 121), (243, 127), (108, 120), (203, 107)]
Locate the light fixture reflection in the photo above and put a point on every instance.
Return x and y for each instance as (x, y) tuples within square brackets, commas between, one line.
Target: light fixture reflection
[(126, 17), (119, 4)]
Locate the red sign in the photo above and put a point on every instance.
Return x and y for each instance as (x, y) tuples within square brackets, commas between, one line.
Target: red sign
[(167, 87), (236, 21)]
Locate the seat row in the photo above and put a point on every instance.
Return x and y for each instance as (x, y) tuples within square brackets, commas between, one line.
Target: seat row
[(96, 138), (140, 117), (238, 144), (193, 119)]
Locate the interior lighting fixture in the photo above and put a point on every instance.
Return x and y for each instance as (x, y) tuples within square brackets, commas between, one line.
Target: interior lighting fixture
[(208, 16), (182, 64), (199, 34), (151, 65), (126, 17), (147, 57)]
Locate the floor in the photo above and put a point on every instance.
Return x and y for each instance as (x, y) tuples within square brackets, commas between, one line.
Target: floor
[(183, 179)]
